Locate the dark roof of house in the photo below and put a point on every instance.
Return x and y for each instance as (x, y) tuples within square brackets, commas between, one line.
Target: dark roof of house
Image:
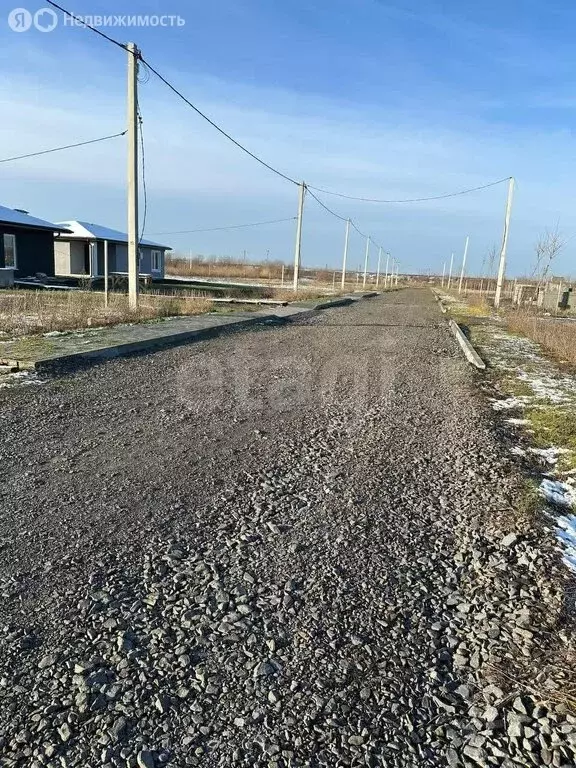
[(20, 219)]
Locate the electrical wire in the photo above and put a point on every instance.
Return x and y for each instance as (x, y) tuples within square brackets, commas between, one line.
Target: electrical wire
[(81, 21), (357, 230), (67, 146), (214, 125), (221, 229), (329, 210), (411, 200), (144, 188)]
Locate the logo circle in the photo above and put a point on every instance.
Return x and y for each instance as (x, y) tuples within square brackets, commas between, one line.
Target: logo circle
[(45, 20), (20, 20)]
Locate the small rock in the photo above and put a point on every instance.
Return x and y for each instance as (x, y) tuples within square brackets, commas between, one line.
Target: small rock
[(509, 540), (145, 759)]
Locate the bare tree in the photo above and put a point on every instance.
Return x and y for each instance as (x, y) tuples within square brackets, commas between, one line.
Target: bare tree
[(548, 246), (489, 261)]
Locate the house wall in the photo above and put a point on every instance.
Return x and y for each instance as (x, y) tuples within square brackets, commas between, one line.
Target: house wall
[(61, 258), (145, 261), (71, 257), (34, 250)]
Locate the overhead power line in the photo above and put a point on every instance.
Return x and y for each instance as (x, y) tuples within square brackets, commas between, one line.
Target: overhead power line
[(221, 229), (357, 230), (329, 210), (410, 200), (59, 149), (214, 125), (144, 187), (83, 23)]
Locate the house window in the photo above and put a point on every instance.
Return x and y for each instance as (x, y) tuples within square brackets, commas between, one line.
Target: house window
[(156, 261), (10, 251)]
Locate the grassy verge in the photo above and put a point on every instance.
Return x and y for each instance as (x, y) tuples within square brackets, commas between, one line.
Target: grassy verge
[(555, 425), (28, 312)]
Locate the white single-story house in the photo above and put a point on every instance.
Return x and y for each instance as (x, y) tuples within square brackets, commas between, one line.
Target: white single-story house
[(81, 253)]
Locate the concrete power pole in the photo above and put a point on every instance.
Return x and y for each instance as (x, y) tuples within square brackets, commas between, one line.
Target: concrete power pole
[(378, 270), (463, 265), (502, 265), (298, 249), (366, 257), (387, 268), (133, 54), (443, 273), (344, 260), (450, 272)]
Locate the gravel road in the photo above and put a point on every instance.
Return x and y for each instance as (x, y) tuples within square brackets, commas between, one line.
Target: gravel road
[(289, 546)]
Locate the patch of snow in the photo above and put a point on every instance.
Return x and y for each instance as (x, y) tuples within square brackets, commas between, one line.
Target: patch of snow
[(518, 422), (20, 378), (566, 533), (517, 451), (510, 402), (558, 493), (551, 454)]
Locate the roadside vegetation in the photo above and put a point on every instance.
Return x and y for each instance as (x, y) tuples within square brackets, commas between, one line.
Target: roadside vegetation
[(556, 336), (24, 312)]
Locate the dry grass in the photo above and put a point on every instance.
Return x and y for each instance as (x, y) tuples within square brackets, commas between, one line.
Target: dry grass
[(26, 312), (180, 266), (556, 336), (224, 267)]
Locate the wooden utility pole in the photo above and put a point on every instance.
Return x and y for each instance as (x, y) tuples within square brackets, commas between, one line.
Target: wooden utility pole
[(463, 265), (133, 54), (502, 265), (298, 249), (366, 257), (344, 260)]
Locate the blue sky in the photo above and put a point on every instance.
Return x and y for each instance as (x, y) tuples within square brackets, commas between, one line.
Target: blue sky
[(372, 98)]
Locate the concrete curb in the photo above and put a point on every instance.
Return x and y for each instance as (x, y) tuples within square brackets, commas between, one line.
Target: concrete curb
[(144, 345), (439, 300), (471, 355), (281, 315)]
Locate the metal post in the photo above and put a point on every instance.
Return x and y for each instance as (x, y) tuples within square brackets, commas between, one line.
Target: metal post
[(378, 270), (106, 273), (502, 265), (298, 249), (450, 273), (346, 239), (443, 273), (133, 55), (366, 261), (463, 265)]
